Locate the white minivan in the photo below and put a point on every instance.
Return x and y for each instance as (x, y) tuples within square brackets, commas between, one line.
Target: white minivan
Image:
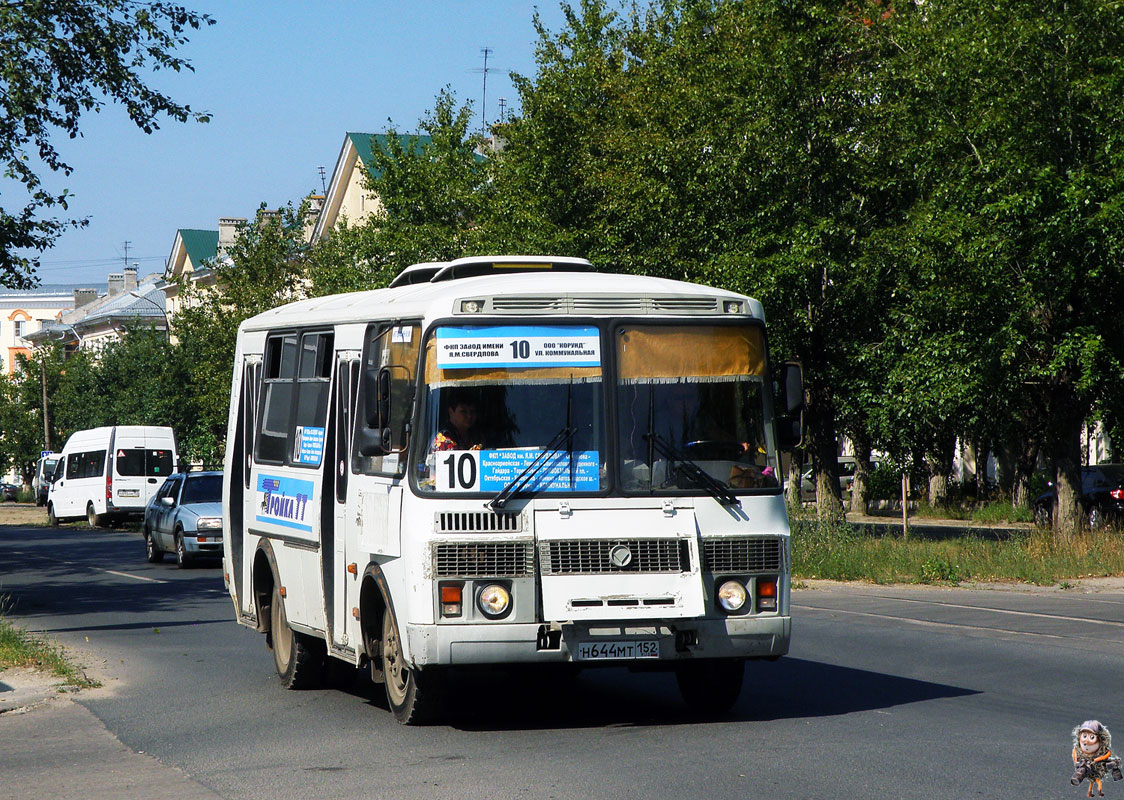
[(108, 474)]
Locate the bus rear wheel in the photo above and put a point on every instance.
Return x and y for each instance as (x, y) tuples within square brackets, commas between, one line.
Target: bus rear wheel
[(710, 686), (94, 519), (297, 656), (412, 695)]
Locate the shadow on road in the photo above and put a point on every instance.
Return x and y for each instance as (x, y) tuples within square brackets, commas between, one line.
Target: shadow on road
[(530, 699)]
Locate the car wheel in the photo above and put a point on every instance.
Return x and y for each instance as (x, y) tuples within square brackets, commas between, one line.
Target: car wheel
[(298, 657), (183, 560), (710, 686), (52, 520), (1096, 518), (95, 519), (1042, 516), (413, 696), (153, 551)]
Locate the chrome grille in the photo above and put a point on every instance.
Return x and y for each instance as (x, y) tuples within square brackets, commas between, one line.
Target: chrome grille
[(477, 521), (585, 556), (758, 554), (483, 560), (609, 305)]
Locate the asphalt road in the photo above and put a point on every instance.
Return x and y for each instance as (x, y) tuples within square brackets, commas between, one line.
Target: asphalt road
[(888, 692)]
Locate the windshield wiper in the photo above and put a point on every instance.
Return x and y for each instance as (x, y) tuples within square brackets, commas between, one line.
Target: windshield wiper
[(553, 447), (715, 488)]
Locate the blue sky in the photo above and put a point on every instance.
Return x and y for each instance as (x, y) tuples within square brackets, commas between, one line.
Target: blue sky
[(283, 80)]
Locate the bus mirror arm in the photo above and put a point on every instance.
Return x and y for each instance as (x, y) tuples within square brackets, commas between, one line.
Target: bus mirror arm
[(374, 441)]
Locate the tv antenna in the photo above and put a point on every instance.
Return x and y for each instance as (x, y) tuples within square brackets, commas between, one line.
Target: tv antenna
[(487, 51), (503, 105), (323, 186)]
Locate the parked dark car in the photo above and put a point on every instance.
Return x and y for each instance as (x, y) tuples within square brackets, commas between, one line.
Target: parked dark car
[(10, 491), (1101, 501), (185, 517)]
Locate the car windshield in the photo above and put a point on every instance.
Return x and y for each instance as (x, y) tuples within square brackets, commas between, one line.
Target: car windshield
[(701, 390), (202, 489), (497, 397)]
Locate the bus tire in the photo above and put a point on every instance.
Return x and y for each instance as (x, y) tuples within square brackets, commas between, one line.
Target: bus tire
[(297, 656), (52, 520), (95, 519), (411, 694), (710, 686)]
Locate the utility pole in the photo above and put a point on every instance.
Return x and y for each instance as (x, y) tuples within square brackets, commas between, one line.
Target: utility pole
[(43, 382), (503, 107), (487, 51)]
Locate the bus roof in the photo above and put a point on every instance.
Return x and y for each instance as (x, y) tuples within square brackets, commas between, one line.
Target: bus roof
[(533, 292)]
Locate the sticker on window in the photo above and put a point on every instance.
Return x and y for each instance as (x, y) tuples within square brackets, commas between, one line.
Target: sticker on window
[(402, 335), (518, 346), (310, 444), (492, 470)]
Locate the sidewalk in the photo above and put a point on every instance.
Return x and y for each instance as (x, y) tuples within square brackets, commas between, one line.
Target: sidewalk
[(52, 746)]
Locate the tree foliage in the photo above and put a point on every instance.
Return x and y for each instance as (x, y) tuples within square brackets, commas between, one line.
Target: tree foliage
[(60, 59)]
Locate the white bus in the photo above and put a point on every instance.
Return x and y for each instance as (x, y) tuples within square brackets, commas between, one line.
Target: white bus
[(507, 460)]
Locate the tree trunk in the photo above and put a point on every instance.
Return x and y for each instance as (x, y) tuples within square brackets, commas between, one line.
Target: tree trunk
[(1006, 457), (1067, 419), (860, 486), (792, 480), (1025, 464), (819, 417), (981, 448)]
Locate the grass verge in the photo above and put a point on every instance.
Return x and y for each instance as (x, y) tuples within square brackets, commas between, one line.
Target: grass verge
[(840, 551), (18, 648)]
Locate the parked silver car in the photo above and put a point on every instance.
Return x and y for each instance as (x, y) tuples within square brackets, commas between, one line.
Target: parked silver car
[(185, 517)]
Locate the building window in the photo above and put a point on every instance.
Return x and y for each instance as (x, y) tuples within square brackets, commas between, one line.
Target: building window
[(21, 328)]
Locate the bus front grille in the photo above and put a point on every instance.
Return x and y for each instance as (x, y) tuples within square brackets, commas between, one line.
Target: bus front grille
[(757, 554), (588, 557), (483, 560), (477, 521)]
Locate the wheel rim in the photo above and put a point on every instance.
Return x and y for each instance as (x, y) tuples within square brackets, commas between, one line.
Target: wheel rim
[(282, 634), (91, 517), (1095, 518), (149, 545), (396, 674), (179, 549)]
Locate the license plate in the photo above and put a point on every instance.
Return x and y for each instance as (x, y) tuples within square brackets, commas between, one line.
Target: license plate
[(632, 648), (129, 493)]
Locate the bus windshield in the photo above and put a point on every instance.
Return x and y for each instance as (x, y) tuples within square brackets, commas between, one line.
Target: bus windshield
[(500, 397), (689, 398)]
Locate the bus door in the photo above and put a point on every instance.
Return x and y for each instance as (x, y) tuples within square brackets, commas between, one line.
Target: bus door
[(335, 523)]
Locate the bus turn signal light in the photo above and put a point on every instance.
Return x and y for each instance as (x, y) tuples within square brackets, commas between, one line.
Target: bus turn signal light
[(767, 594), (452, 599)]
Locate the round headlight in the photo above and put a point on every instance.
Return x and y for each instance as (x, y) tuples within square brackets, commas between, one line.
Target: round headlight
[(493, 600), (732, 595)]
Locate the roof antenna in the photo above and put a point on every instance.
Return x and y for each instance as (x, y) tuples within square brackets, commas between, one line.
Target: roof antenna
[(323, 186), (487, 51)]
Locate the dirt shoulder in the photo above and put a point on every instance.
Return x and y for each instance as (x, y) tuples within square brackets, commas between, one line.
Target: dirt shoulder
[(22, 514)]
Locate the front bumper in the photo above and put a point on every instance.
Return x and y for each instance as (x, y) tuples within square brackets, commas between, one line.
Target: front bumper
[(212, 548), (734, 637)]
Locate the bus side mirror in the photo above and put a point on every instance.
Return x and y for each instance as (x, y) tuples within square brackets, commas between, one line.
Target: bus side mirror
[(374, 441), (793, 375), (790, 425), (376, 393)]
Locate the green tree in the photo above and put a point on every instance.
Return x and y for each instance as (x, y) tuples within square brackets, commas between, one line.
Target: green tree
[(22, 427), (58, 60), (1008, 123)]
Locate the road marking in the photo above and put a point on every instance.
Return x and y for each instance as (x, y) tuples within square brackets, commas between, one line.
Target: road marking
[(134, 577), (939, 624), (1091, 620)]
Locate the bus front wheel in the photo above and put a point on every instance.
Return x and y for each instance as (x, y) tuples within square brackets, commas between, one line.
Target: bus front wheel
[(412, 695), (710, 686), (296, 655)]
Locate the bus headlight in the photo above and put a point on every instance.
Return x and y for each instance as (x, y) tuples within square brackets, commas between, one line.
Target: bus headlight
[(732, 596), (494, 601)]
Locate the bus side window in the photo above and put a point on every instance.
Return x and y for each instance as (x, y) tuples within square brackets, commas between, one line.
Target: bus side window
[(396, 347), (277, 399)]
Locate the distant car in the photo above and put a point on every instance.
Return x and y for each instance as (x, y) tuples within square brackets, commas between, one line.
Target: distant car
[(10, 491), (1101, 500), (185, 517), (846, 471)]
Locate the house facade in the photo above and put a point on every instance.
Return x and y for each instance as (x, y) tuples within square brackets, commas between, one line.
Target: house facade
[(25, 312)]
